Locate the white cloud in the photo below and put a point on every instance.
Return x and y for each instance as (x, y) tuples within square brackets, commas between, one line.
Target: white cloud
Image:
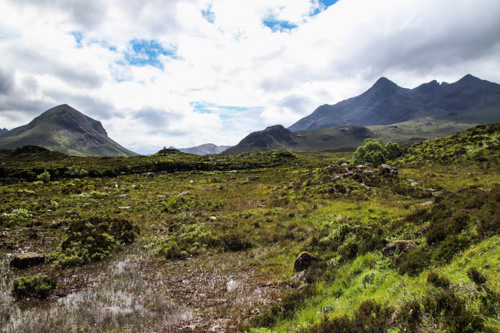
[(220, 53)]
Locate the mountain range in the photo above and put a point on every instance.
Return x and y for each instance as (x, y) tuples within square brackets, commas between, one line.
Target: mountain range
[(66, 130), (469, 100), (3, 131), (205, 149), (385, 111)]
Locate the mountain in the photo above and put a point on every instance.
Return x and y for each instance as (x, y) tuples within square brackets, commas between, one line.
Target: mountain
[(66, 130), (469, 100), (346, 137), (206, 149), (3, 131)]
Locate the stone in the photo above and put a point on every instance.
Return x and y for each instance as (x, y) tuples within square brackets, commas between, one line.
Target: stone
[(386, 169), (368, 173), (27, 260), (402, 246), (303, 261)]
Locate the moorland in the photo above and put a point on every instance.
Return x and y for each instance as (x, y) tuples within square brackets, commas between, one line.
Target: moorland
[(179, 242)]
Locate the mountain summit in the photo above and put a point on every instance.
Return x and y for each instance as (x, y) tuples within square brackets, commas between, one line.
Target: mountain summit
[(66, 130), (468, 100)]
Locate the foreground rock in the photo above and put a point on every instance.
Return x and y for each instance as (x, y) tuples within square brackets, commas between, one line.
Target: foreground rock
[(27, 260), (402, 246), (303, 261), (386, 169)]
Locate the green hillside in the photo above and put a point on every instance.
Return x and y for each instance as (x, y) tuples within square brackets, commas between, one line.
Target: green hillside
[(179, 242), (341, 138), (65, 130)]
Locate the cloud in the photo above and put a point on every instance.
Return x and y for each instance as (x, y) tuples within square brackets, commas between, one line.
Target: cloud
[(160, 73)]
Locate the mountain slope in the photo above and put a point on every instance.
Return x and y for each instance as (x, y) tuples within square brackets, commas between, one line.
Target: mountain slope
[(3, 131), (66, 130), (346, 137), (468, 100), (206, 149)]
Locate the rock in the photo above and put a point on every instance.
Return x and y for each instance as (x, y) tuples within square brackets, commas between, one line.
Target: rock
[(402, 246), (387, 169), (368, 173), (183, 194), (303, 261), (299, 275), (124, 195), (427, 203), (27, 260)]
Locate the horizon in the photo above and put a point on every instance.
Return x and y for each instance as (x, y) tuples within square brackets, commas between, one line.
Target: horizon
[(157, 73)]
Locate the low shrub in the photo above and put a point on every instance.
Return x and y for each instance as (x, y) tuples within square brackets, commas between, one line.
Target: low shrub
[(75, 171), (476, 276), (415, 261), (92, 240), (438, 281), (39, 286), (369, 317), (451, 246)]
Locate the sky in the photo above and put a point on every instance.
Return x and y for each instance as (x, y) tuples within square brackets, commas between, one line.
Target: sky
[(161, 73)]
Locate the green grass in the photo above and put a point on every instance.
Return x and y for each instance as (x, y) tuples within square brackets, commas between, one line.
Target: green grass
[(219, 236)]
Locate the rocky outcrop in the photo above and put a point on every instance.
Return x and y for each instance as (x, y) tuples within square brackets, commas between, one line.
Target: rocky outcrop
[(303, 261), (27, 260), (386, 169), (402, 246)]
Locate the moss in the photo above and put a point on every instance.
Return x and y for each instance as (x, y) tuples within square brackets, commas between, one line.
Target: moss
[(39, 286)]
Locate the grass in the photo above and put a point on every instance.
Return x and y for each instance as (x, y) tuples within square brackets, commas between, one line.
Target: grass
[(176, 241)]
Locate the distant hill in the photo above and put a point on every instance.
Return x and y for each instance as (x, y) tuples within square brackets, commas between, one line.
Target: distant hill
[(469, 100), (66, 130), (347, 137), (206, 149), (3, 131)]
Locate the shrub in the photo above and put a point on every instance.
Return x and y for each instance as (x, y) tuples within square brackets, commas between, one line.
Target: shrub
[(451, 246), (415, 261), (373, 151), (369, 317), (92, 240), (44, 176), (476, 276), (451, 311), (438, 281), (39, 286), (75, 172)]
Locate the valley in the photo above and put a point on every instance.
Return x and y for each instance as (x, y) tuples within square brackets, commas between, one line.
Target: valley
[(179, 242)]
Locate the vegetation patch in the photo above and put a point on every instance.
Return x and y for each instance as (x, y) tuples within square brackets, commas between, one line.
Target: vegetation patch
[(39, 286), (92, 240)]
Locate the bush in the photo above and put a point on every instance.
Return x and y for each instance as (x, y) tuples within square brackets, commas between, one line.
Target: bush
[(415, 261), (476, 276), (39, 286), (44, 176), (92, 240), (75, 172), (451, 246), (438, 281), (369, 317), (373, 151)]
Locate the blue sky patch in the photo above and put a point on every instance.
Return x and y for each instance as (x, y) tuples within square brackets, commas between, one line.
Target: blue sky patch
[(208, 14), (324, 4), (147, 52), (78, 38), (222, 111), (279, 26)]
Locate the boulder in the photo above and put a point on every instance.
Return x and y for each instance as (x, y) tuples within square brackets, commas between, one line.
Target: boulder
[(303, 261), (402, 246), (387, 169), (27, 260)]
